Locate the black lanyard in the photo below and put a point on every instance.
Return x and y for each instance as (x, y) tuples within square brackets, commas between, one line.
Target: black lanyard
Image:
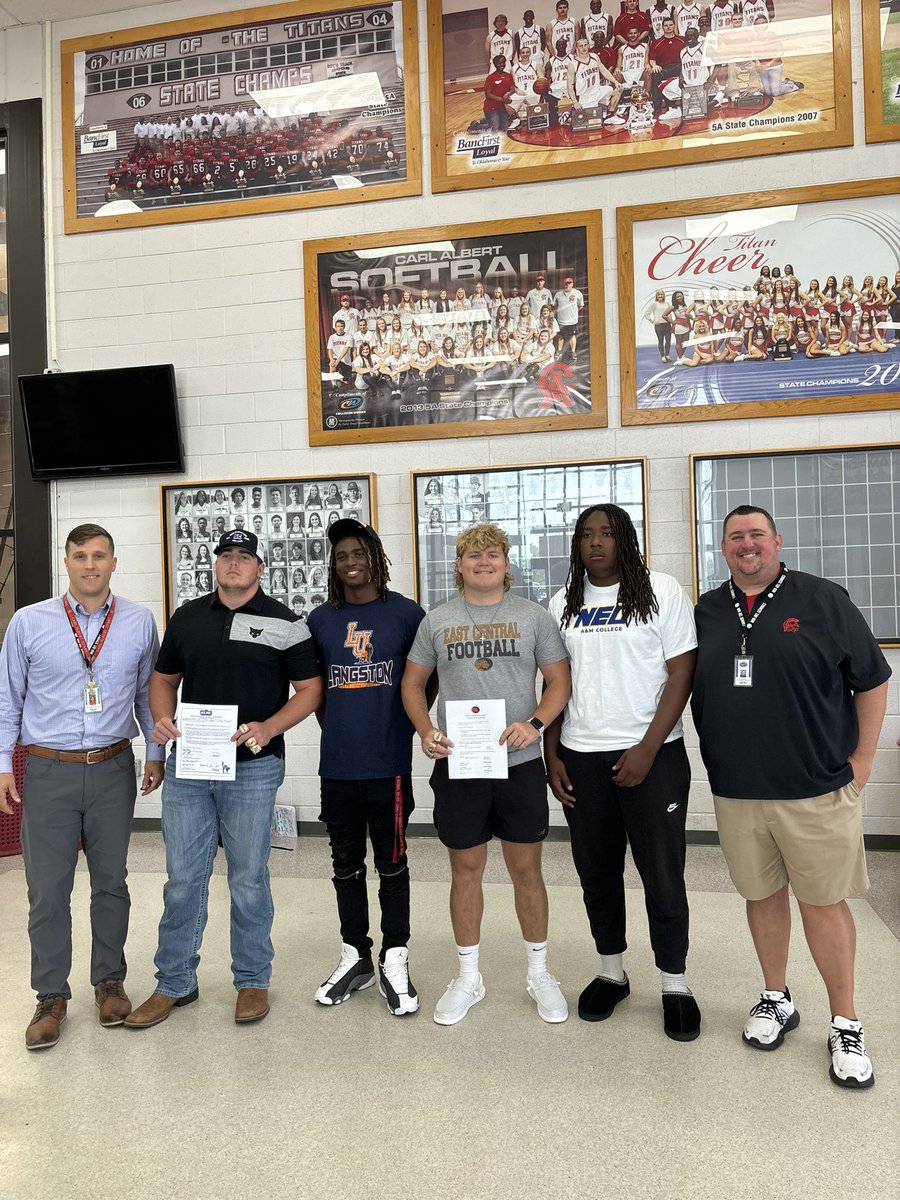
[(757, 607)]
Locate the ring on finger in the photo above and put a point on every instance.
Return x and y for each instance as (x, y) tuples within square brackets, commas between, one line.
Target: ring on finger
[(251, 742), (243, 729), (438, 738)]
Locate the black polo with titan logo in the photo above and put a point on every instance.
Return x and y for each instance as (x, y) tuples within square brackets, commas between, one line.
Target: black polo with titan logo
[(246, 656)]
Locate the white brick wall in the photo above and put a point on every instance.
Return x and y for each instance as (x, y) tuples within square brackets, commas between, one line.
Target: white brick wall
[(223, 301)]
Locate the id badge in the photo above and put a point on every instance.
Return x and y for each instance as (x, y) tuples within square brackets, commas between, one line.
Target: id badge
[(92, 701), (743, 670)]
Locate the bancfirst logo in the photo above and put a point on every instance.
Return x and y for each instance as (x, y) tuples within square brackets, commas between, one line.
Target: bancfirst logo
[(607, 616)]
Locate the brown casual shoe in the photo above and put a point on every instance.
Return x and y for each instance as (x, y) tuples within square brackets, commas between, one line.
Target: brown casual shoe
[(252, 1005), (110, 998), (43, 1029), (156, 1008)]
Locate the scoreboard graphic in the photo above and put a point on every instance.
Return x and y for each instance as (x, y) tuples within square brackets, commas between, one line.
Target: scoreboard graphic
[(291, 107)]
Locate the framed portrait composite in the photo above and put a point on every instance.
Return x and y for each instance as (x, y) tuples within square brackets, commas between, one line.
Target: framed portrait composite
[(289, 516), (593, 88), (537, 506), (881, 68), (766, 304), (456, 331), (288, 106), (835, 507)]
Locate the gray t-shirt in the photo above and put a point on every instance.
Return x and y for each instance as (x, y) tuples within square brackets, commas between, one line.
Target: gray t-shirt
[(494, 658)]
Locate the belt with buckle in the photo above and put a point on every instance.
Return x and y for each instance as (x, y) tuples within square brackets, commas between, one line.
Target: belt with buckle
[(81, 756)]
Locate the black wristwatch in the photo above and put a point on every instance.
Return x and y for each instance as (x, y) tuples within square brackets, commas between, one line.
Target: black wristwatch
[(537, 723)]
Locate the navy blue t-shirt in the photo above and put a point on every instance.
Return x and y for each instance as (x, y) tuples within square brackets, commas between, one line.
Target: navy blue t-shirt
[(363, 648)]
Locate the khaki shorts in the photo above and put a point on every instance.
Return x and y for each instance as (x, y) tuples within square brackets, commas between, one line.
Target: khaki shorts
[(815, 845)]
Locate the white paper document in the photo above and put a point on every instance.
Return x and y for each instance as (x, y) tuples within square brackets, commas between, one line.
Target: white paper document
[(474, 728), (205, 748)]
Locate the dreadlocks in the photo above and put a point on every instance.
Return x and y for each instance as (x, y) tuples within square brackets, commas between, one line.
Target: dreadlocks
[(379, 565), (636, 599)]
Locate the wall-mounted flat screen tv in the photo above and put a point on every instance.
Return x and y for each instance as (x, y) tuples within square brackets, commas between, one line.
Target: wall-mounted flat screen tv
[(95, 423)]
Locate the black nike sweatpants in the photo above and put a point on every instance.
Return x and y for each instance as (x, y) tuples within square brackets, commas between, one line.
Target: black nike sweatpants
[(651, 817)]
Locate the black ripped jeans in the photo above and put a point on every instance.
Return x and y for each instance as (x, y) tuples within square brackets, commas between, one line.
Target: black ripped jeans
[(381, 807)]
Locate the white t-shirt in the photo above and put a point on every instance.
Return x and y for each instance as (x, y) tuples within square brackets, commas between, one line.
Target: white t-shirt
[(619, 671)]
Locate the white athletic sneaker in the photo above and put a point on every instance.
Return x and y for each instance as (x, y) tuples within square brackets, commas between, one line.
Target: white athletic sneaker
[(551, 1003), (670, 114), (461, 994), (851, 1066), (514, 124), (614, 120), (395, 984), (770, 1019)]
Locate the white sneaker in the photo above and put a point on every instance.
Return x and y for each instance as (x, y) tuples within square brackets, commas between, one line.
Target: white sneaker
[(851, 1066), (614, 120), (551, 1003), (395, 984), (770, 1019), (461, 994)]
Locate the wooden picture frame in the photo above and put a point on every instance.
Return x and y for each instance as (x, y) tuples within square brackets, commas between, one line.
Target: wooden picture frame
[(536, 504), (881, 69), (193, 516), (713, 254), (835, 506), (243, 112), (541, 384), (799, 100)]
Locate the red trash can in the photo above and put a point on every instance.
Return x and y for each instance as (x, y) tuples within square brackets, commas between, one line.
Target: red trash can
[(11, 823)]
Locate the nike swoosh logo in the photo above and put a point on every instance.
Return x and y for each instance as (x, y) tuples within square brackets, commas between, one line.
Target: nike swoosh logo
[(671, 808)]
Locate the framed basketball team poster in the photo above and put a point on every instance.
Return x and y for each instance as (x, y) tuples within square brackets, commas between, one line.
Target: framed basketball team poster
[(767, 304), (290, 517), (261, 110), (586, 87), (536, 505), (833, 506), (881, 62), (456, 331)]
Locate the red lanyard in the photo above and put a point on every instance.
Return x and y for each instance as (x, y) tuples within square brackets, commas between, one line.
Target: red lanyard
[(90, 656)]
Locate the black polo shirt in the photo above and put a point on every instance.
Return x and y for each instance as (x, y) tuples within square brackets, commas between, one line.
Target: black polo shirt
[(245, 656), (789, 736)]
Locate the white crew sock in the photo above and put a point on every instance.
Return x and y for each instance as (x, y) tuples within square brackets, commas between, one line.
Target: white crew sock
[(675, 983), (468, 960), (536, 953), (611, 968)]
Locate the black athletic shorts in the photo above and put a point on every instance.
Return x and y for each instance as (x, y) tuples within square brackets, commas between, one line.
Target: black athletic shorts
[(469, 812)]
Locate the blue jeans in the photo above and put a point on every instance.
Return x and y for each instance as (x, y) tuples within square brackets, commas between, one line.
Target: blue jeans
[(194, 814)]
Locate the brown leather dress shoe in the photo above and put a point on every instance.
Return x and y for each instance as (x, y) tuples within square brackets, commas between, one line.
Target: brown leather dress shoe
[(252, 1005), (43, 1029), (156, 1008), (110, 998)]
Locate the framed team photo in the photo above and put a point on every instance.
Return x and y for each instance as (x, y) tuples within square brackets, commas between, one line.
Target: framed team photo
[(536, 505), (767, 304), (290, 517), (834, 507), (881, 63), (587, 87), (456, 331), (261, 110)]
